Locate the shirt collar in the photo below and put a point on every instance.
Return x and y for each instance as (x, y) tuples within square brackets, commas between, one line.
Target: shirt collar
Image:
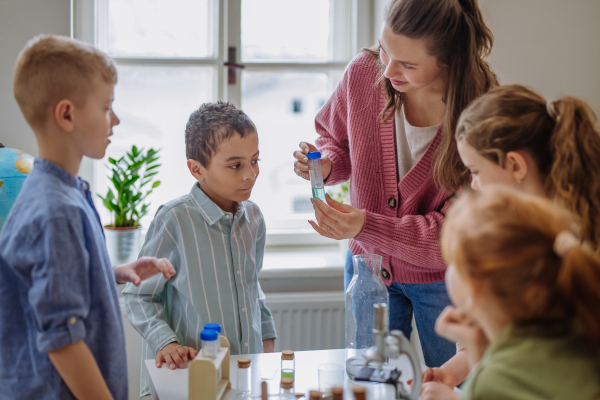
[(50, 168), (209, 210)]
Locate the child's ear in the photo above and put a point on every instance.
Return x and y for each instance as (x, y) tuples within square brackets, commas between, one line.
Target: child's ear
[(63, 115), (517, 165), (196, 169)]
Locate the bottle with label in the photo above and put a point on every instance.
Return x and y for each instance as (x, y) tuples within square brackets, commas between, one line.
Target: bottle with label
[(316, 175), (288, 364), (364, 291), (244, 381)]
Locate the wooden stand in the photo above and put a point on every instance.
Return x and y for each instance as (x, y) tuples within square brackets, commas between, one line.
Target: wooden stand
[(203, 384)]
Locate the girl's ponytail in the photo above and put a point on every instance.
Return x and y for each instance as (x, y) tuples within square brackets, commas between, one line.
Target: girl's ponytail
[(579, 280), (574, 176)]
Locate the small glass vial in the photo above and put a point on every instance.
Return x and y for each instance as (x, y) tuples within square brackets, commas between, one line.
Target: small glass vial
[(285, 393), (244, 382), (288, 364), (210, 343), (315, 395), (359, 392), (316, 175), (337, 393)]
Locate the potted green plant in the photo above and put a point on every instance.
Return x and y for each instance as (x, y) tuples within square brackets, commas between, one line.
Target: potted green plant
[(133, 180)]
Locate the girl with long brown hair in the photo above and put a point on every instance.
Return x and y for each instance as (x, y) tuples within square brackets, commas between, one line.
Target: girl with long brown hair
[(514, 137), (517, 270), (389, 128)]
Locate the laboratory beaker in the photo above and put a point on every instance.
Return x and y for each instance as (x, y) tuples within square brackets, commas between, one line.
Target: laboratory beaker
[(365, 289)]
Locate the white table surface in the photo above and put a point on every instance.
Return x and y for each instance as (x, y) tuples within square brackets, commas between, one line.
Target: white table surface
[(169, 384)]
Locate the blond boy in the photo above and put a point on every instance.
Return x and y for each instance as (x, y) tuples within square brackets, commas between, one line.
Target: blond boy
[(62, 335)]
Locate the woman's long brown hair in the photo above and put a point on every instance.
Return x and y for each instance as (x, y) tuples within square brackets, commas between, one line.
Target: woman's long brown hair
[(505, 240), (561, 136), (460, 40)]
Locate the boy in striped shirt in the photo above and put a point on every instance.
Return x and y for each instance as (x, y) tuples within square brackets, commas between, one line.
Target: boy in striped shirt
[(215, 238)]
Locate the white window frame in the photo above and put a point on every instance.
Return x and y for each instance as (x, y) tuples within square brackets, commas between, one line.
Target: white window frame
[(85, 17)]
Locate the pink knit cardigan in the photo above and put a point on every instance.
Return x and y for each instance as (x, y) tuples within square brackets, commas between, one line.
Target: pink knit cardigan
[(403, 219)]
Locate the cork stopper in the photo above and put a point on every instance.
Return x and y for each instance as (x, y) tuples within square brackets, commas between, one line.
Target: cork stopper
[(359, 392), (337, 393), (287, 355), (243, 363), (287, 383), (315, 395)]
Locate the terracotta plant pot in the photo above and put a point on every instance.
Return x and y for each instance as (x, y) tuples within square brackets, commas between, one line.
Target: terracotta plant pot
[(123, 244)]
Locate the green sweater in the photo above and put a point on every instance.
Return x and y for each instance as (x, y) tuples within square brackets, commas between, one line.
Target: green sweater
[(534, 364)]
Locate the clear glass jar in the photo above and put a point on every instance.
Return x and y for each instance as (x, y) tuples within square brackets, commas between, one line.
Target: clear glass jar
[(244, 379), (288, 364), (365, 290)]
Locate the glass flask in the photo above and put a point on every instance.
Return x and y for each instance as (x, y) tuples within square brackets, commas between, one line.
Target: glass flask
[(365, 290)]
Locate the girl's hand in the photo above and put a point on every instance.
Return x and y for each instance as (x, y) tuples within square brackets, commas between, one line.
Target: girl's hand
[(175, 355), (456, 326), (301, 164), (142, 269), (337, 220), (437, 391), (441, 375)]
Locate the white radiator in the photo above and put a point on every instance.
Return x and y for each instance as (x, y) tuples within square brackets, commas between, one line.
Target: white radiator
[(308, 321)]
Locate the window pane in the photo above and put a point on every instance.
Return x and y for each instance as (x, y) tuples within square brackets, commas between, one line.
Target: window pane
[(292, 30), (158, 28), (154, 104), (283, 107)]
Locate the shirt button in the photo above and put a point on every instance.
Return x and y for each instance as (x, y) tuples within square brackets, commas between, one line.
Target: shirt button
[(385, 274), (72, 320), (392, 202), (244, 309), (228, 216), (246, 344), (239, 271)]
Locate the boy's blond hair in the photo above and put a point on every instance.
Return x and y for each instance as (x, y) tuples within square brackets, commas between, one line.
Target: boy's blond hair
[(53, 68)]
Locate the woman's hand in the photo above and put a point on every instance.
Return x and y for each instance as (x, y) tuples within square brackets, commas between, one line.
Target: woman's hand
[(175, 355), (456, 326), (301, 164), (337, 220)]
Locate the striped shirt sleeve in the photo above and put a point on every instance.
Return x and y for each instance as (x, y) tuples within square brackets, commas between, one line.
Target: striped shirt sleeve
[(267, 323), (144, 306)]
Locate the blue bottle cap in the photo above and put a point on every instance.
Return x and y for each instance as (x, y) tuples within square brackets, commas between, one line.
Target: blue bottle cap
[(315, 155), (209, 335), (213, 326)]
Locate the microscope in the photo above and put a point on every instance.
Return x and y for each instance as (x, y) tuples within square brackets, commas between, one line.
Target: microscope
[(389, 345)]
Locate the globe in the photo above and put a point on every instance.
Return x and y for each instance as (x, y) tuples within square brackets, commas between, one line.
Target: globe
[(15, 165)]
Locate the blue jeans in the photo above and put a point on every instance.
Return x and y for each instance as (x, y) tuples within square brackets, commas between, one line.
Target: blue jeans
[(426, 300)]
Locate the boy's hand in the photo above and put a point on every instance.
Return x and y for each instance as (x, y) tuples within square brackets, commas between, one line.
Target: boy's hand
[(301, 164), (268, 345), (142, 269), (175, 355)]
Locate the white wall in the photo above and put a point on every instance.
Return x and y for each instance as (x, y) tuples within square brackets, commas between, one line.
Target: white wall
[(549, 45), (20, 20)]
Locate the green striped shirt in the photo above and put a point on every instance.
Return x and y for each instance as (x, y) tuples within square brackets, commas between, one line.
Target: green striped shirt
[(217, 256)]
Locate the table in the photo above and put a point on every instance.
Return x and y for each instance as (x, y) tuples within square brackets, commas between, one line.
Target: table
[(167, 384)]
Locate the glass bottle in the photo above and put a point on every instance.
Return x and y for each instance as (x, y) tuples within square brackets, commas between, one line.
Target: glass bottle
[(337, 393), (316, 175), (359, 393), (315, 395), (288, 364), (244, 381), (365, 289)]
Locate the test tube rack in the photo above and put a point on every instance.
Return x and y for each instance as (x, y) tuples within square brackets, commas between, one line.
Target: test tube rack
[(203, 372)]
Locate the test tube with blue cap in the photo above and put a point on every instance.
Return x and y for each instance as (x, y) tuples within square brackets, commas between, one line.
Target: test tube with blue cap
[(316, 175)]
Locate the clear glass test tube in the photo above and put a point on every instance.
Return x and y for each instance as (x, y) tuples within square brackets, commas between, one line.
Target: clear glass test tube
[(288, 364), (316, 175), (244, 382)]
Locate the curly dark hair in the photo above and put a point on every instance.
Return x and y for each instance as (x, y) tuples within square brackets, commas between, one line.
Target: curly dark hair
[(211, 125)]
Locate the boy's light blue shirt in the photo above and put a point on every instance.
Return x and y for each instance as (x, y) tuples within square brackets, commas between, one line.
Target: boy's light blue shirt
[(217, 257)]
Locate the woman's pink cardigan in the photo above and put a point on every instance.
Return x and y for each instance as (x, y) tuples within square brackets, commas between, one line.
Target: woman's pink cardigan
[(403, 220)]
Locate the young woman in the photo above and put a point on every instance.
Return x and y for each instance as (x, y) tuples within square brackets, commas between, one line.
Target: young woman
[(520, 276), (513, 136), (389, 128)]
